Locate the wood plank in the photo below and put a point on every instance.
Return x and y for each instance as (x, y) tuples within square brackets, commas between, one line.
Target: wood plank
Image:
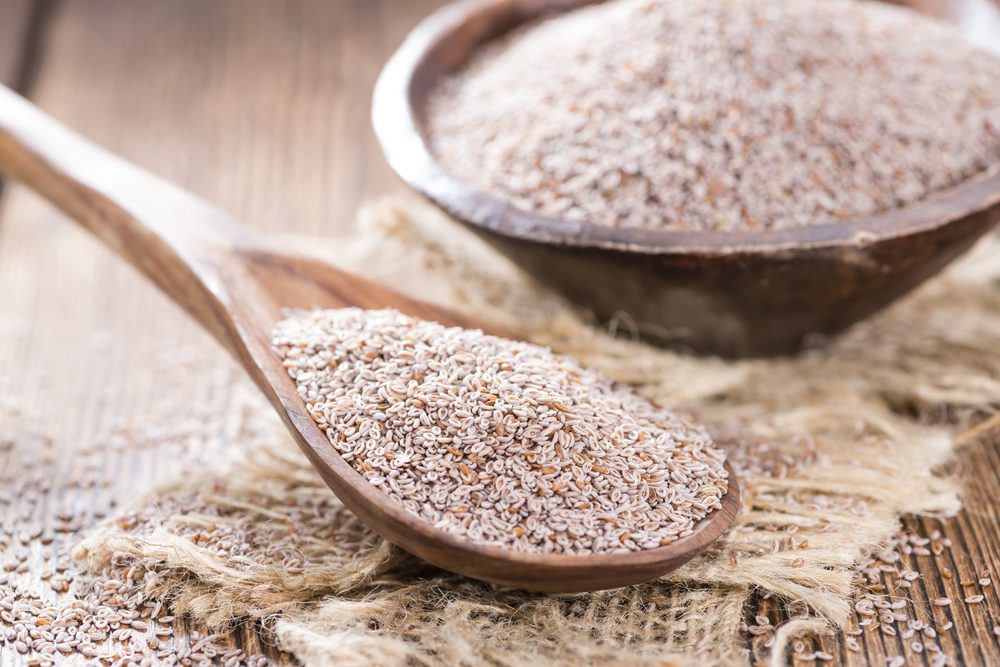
[(953, 574), (265, 110), (259, 107), (16, 44), (15, 17), (262, 108)]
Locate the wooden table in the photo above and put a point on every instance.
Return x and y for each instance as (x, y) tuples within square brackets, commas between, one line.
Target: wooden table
[(262, 108)]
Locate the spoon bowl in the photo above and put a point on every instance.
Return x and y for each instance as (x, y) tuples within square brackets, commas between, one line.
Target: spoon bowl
[(238, 286), (734, 294)]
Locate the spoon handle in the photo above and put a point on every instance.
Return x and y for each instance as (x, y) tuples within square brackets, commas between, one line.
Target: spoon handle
[(176, 240)]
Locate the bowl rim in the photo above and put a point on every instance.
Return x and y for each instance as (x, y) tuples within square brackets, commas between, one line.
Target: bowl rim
[(397, 124)]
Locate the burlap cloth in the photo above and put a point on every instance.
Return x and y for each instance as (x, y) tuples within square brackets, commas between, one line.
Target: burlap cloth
[(832, 447)]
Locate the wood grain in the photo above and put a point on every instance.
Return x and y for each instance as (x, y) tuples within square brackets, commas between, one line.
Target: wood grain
[(19, 39), (250, 104), (15, 17), (162, 83), (975, 534)]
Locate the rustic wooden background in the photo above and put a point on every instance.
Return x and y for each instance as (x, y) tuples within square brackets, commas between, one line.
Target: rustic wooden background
[(261, 107)]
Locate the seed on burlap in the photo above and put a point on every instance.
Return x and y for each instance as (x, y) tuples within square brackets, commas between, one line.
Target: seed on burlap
[(502, 442), (737, 115)]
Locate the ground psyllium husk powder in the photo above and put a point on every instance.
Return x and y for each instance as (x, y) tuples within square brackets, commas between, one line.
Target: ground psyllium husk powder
[(502, 442), (721, 115)]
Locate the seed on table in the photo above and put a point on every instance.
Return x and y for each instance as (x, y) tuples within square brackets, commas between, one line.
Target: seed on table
[(974, 599), (942, 602)]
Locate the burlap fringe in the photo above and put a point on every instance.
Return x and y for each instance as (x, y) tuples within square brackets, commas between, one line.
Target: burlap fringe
[(832, 446)]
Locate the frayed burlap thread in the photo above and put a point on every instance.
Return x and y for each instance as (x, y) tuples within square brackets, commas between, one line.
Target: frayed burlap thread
[(832, 446)]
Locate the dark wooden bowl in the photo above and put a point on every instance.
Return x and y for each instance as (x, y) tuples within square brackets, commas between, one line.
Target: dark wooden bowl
[(733, 294)]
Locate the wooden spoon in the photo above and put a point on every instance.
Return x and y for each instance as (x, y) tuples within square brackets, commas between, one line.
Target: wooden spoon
[(236, 285)]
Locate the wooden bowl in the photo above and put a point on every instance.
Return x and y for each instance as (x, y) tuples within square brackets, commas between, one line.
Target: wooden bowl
[(733, 294)]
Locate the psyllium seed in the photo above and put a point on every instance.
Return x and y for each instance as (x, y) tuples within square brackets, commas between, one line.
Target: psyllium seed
[(729, 116), (502, 442)]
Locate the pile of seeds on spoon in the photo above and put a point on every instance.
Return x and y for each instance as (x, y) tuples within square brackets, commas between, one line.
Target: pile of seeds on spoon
[(500, 442), (721, 115)]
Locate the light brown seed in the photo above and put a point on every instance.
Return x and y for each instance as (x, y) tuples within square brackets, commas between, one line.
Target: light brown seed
[(549, 451), (665, 120)]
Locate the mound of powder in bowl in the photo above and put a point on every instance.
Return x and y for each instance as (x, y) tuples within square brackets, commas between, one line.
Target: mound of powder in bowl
[(500, 442), (720, 115)]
